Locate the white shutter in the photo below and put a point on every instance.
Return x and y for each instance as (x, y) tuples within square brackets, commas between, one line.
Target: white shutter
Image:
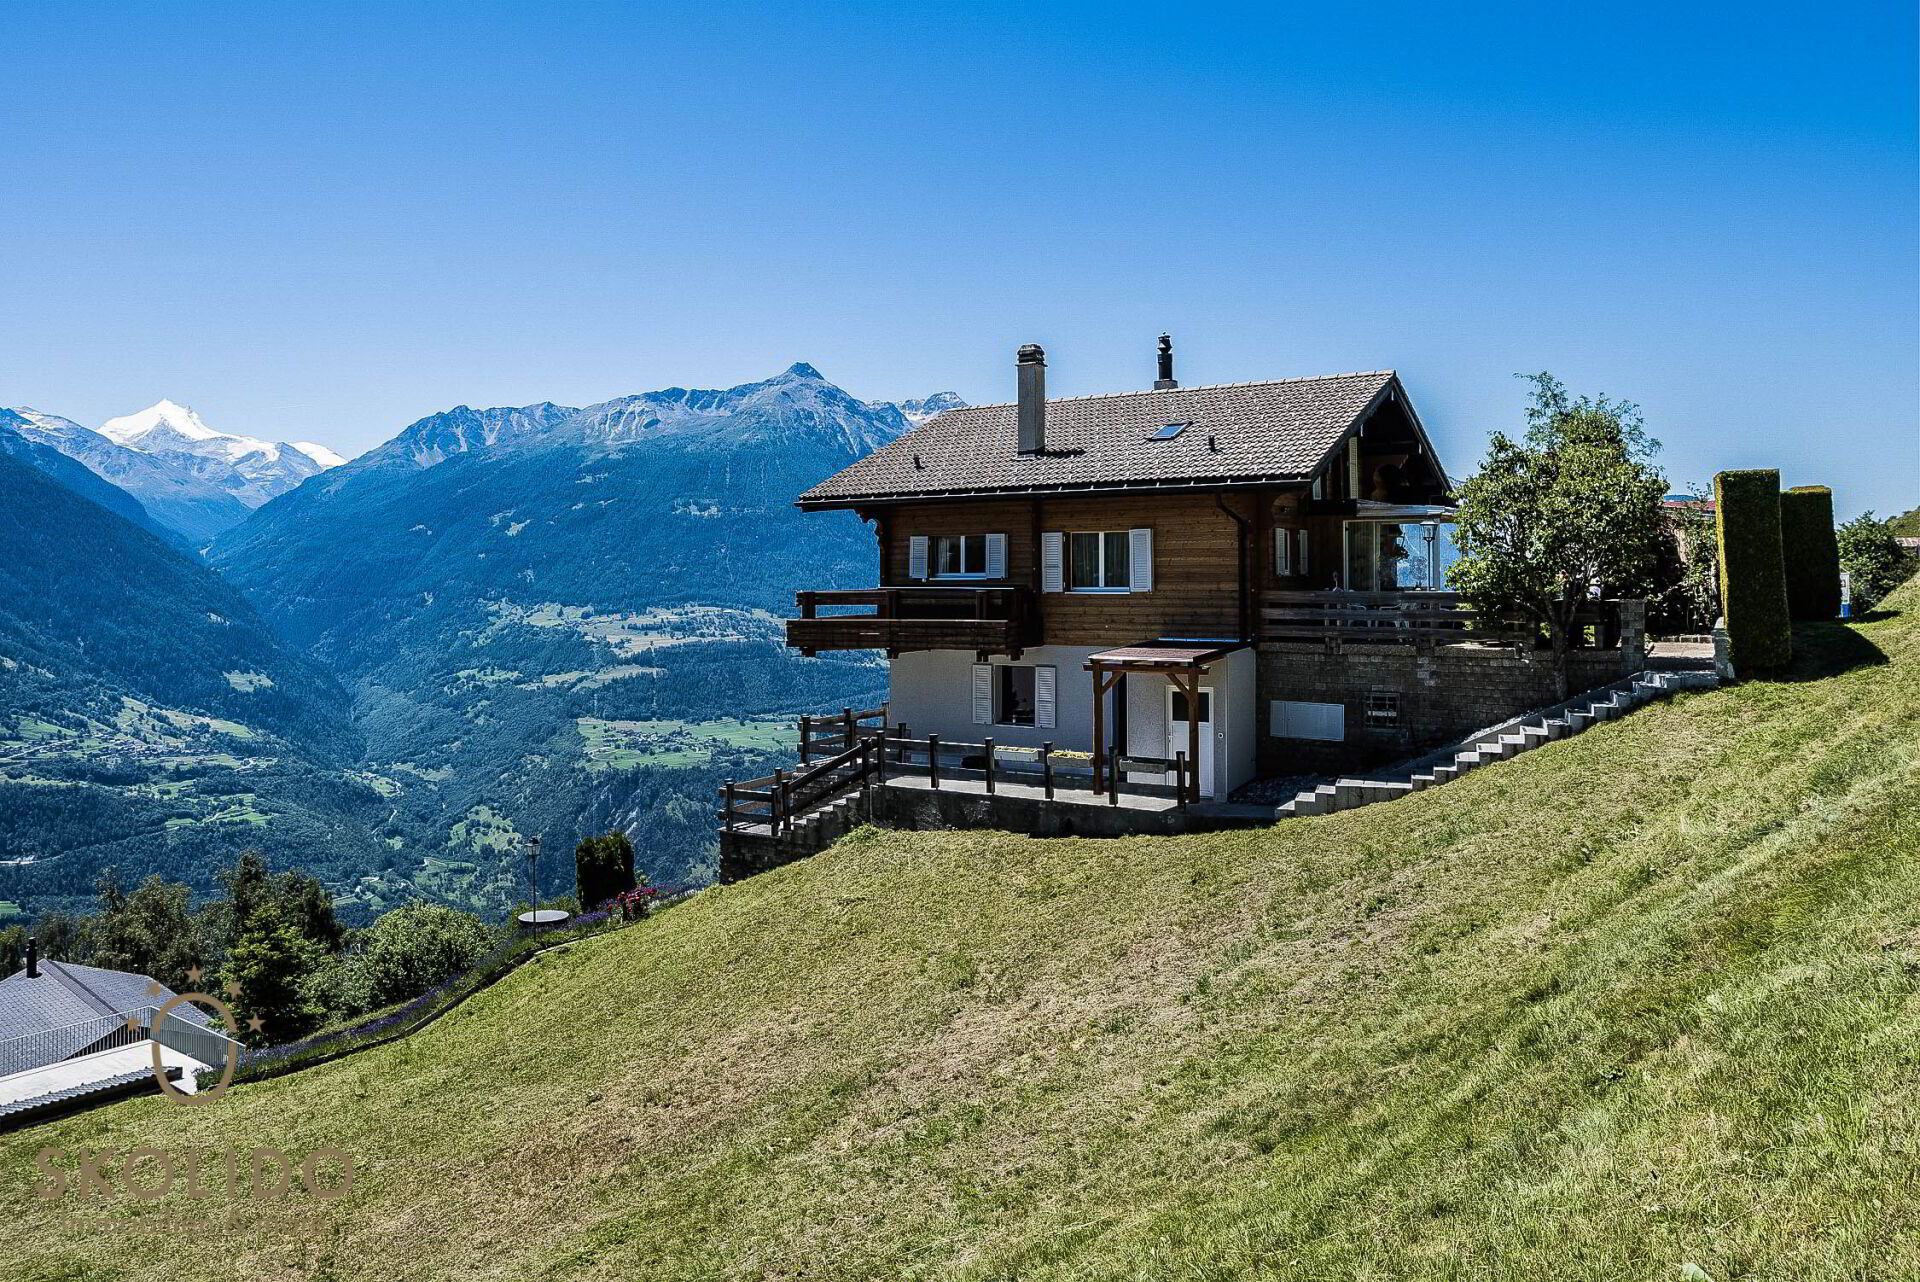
[(1043, 676), (982, 694), (1300, 562), (917, 557), (996, 556), (1053, 574), (1283, 552), (1140, 560)]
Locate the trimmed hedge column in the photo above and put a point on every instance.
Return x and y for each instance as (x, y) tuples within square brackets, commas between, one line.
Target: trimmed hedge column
[(1810, 553), (1753, 585)]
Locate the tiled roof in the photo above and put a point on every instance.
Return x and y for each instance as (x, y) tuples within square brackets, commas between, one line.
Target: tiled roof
[(1237, 432), (65, 995)]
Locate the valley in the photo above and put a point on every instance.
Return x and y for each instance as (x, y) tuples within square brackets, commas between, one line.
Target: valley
[(538, 621)]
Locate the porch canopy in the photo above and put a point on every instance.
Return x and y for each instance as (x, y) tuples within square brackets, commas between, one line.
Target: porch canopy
[(1183, 662)]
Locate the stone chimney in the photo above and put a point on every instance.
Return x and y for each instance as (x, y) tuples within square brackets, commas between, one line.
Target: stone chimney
[(1031, 368), (1165, 380), (33, 958)]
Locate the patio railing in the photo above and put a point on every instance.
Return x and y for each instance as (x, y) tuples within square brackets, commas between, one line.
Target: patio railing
[(776, 803)]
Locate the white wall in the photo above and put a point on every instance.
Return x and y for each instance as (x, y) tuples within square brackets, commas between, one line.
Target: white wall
[(932, 692)]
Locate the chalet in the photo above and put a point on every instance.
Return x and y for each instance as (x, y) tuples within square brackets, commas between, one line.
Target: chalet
[(1200, 586)]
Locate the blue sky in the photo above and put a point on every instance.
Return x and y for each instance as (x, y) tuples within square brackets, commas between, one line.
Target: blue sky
[(324, 226)]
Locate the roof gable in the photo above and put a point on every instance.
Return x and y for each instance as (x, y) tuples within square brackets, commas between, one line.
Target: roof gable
[(1238, 433)]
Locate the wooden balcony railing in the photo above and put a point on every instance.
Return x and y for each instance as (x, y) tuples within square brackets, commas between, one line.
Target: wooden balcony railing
[(1407, 618), (994, 620)]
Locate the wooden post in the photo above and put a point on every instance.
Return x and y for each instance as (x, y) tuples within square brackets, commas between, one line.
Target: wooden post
[(1113, 782), (1180, 775), (729, 824), (1046, 768), (1099, 730), (988, 745), (880, 762), (774, 806), (806, 736), (933, 762), (1193, 734), (846, 718)]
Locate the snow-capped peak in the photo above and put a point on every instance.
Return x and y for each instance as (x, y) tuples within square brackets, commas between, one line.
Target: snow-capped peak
[(176, 419), (250, 469), (319, 453)]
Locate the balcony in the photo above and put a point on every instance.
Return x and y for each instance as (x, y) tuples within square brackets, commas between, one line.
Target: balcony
[(1429, 618), (985, 620)]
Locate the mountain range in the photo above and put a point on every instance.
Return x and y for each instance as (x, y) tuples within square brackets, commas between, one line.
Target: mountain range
[(189, 478), (539, 620), (149, 717)]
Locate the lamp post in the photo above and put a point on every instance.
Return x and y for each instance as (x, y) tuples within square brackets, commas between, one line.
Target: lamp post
[(533, 881)]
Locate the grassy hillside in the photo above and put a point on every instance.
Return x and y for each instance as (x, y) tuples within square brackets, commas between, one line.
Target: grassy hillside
[(1645, 998)]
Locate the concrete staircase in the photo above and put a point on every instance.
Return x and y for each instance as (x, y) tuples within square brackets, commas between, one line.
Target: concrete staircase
[(824, 825), (1498, 743)]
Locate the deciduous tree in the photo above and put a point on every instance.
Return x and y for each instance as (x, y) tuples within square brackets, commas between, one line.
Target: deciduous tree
[(1569, 512)]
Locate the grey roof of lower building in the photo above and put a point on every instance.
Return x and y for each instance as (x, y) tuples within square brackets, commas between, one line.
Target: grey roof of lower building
[(65, 998), (1235, 433)]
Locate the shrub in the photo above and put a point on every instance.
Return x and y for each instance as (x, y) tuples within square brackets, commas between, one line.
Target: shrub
[(603, 868), (1810, 554), (1875, 562), (1753, 585), (409, 950)]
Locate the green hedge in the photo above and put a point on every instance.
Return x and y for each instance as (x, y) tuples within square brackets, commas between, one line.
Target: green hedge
[(1810, 554), (1753, 584)]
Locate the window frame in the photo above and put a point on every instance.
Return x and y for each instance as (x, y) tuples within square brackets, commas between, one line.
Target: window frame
[(933, 556), (1001, 681), (1101, 537)]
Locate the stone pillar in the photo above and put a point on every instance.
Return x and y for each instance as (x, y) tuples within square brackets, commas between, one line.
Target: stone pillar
[(1633, 636)]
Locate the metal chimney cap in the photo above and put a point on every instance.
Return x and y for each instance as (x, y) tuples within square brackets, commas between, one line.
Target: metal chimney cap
[(1031, 354)]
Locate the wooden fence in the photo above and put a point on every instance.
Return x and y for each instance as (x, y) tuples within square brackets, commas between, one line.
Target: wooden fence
[(778, 801)]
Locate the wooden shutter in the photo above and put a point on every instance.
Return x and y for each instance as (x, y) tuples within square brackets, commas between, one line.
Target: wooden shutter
[(1300, 562), (996, 556), (982, 694), (1043, 679), (1283, 552), (917, 557), (1140, 559), (1053, 572)]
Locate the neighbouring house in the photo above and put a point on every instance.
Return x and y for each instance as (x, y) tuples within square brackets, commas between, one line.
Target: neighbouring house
[(71, 1033), (1243, 581)]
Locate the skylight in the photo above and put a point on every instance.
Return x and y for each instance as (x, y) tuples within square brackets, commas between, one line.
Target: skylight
[(1170, 431)]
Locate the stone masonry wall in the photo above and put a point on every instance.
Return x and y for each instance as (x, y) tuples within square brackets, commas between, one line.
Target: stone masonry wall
[(1429, 695)]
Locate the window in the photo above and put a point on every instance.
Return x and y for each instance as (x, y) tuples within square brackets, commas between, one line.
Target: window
[(1170, 431), (1016, 696), (1397, 556), (1382, 710), (1179, 706), (1011, 694), (1289, 552), (1292, 719), (959, 556), (1099, 561)]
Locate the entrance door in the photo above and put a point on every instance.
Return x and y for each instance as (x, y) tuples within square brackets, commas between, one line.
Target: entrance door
[(1177, 733)]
